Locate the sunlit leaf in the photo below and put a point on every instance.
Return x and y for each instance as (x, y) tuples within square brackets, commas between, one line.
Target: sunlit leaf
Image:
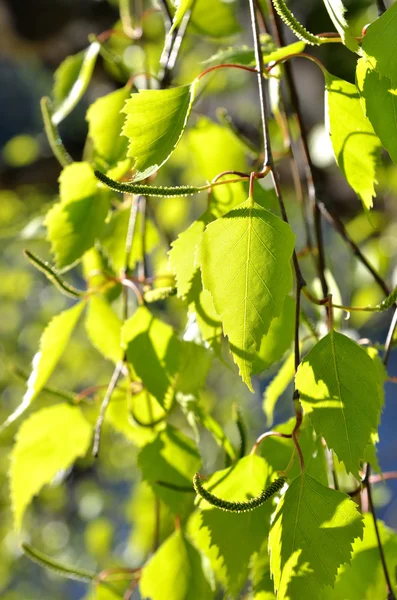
[(78, 219), (154, 125), (182, 6), (336, 11), (254, 248), (104, 328), (338, 385), (48, 441), (229, 539), (356, 146), (175, 571), (215, 18), (153, 351), (312, 534), (71, 80), (173, 458), (379, 43)]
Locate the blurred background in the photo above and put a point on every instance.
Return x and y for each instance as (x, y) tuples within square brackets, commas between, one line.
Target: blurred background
[(89, 516)]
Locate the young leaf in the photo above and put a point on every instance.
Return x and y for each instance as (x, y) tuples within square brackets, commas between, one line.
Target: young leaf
[(52, 345), (182, 257), (202, 309), (229, 540), (214, 18), (364, 578), (311, 535), (175, 571), (173, 458), (277, 387), (195, 364), (377, 90), (105, 122), (153, 351), (339, 389), (48, 441), (78, 219), (154, 125), (103, 328), (254, 248), (246, 56), (356, 146), (71, 81), (336, 11), (182, 6), (379, 43), (278, 339)]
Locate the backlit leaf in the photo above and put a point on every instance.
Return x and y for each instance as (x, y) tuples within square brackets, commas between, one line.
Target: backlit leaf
[(175, 571), (378, 90), (356, 146), (336, 11), (379, 43), (215, 18), (172, 457), (105, 122), (338, 385), (154, 125), (78, 219), (71, 80), (229, 540), (254, 249), (153, 351), (104, 328), (312, 534), (48, 441), (277, 387)]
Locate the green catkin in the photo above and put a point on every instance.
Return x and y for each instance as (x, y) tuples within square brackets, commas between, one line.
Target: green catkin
[(238, 507), (49, 563), (159, 294), (389, 301), (54, 139), (149, 190), (53, 275), (292, 22)]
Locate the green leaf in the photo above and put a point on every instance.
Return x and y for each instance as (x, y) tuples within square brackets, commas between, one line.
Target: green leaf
[(105, 122), (52, 345), (71, 80), (195, 364), (182, 6), (214, 18), (379, 43), (78, 219), (175, 571), (113, 238), (103, 328), (171, 457), (311, 536), (254, 248), (336, 11), (246, 55), (229, 540), (154, 125), (261, 577), (339, 388), (364, 578), (48, 441), (182, 256), (356, 146), (278, 339), (201, 307), (377, 90), (153, 351), (277, 387)]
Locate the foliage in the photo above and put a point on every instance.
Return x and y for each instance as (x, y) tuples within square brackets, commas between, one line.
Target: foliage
[(201, 283)]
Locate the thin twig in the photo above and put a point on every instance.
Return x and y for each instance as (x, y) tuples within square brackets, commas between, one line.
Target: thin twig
[(367, 484), (105, 403), (267, 434), (389, 338)]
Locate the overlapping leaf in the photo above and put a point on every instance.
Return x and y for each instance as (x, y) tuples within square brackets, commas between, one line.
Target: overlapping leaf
[(229, 540), (245, 264), (154, 125), (339, 388), (356, 146), (78, 219), (175, 571), (312, 534), (104, 328), (48, 441), (336, 11), (379, 43), (153, 351)]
